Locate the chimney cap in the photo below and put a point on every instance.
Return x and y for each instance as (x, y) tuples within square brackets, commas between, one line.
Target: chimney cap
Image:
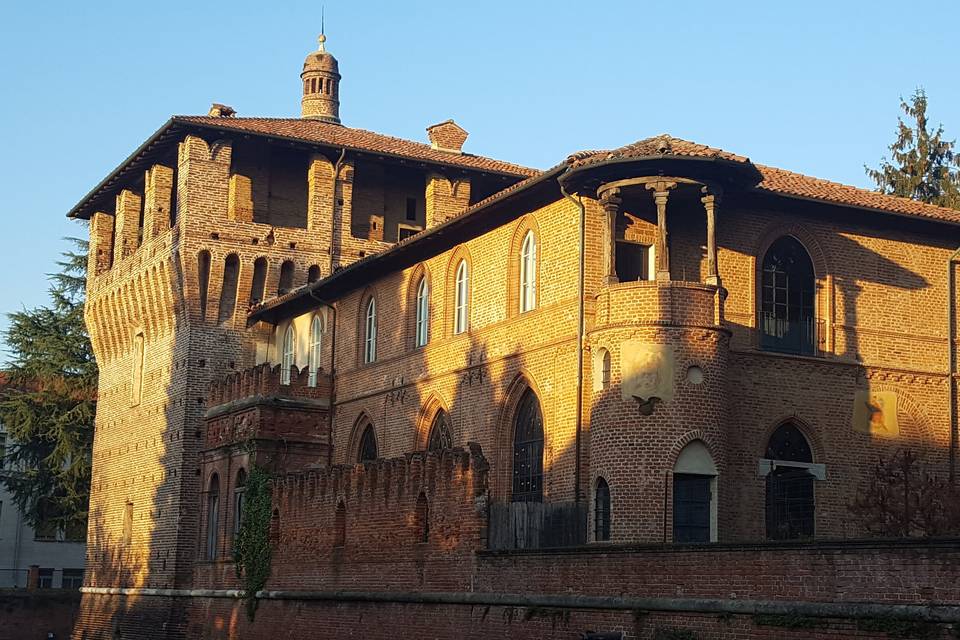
[(218, 110), (447, 136)]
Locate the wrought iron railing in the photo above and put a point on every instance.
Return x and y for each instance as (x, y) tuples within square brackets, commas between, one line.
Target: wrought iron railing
[(798, 336)]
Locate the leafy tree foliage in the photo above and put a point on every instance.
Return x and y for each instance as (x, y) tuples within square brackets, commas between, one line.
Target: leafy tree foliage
[(923, 165), (48, 402)]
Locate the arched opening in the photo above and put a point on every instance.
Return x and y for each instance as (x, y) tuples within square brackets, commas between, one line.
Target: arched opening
[(313, 273), (788, 287), (286, 277), (203, 280), (528, 272), (790, 499), (316, 343), (370, 332), (439, 438), (528, 450), (228, 293), (422, 520), (239, 491), (601, 369), (601, 511), (694, 495), (422, 326), (259, 283), (461, 311), (288, 358), (367, 449), (340, 525), (213, 517)]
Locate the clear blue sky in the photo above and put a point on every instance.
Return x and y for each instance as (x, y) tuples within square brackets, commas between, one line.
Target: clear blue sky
[(807, 86)]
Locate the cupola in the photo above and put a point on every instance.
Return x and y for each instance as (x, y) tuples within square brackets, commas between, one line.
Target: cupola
[(321, 86)]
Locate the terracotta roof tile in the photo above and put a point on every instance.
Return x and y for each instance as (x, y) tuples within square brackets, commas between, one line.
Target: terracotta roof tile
[(319, 132), (658, 145)]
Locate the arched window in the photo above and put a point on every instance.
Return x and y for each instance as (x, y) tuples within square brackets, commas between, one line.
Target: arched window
[(528, 450), (461, 310), (528, 272), (288, 359), (340, 525), (787, 322), (422, 327), (313, 273), (439, 438), (259, 280), (228, 293), (238, 500), (203, 280), (316, 342), (790, 500), (286, 277), (601, 511), (368, 445), (694, 495), (213, 516), (370, 332), (423, 519)]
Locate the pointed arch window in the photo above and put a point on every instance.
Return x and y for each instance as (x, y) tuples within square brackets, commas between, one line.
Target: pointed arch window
[(316, 344), (787, 321), (288, 359), (368, 445), (370, 332), (528, 450), (601, 511), (528, 272), (439, 438), (213, 517), (422, 327), (790, 497), (461, 298)]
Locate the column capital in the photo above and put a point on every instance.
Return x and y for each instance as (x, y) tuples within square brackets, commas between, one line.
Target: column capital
[(611, 199), (661, 188)]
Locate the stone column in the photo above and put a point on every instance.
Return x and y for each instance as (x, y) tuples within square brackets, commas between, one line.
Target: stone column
[(610, 201), (661, 190), (710, 201)]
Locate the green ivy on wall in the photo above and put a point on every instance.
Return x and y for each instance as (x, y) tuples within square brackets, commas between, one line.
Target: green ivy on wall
[(252, 551)]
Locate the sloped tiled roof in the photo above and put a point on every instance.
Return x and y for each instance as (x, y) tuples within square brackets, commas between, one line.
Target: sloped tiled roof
[(658, 145), (320, 132)]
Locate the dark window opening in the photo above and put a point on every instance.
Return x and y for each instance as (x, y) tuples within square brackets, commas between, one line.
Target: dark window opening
[(790, 496), (286, 277), (313, 274), (45, 578), (368, 445), (203, 280), (439, 434), (228, 293), (411, 208), (787, 321), (213, 517), (72, 579), (528, 450), (404, 232), (601, 512), (692, 507), (259, 281), (632, 261)]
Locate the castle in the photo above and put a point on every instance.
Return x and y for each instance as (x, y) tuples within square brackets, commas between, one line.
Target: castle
[(634, 392)]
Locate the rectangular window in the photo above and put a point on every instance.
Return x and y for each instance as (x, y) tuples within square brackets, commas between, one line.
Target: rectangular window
[(634, 261), (411, 208), (46, 578), (404, 231), (72, 579), (691, 507)]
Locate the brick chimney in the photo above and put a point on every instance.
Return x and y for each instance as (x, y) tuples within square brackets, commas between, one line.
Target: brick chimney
[(447, 136)]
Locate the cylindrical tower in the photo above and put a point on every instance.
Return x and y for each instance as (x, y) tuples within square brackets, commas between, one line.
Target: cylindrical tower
[(321, 86)]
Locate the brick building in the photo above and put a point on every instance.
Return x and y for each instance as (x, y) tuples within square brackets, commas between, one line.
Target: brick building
[(636, 391)]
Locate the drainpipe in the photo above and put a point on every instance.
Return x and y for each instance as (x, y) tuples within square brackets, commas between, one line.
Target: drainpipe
[(952, 360), (580, 334), (333, 210), (333, 378)]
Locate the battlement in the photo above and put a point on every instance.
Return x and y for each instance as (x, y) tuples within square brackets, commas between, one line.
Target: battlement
[(266, 381)]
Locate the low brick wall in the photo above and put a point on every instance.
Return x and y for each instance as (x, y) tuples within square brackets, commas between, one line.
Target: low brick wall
[(25, 615)]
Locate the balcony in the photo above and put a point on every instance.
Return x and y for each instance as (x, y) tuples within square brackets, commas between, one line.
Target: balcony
[(798, 336), (664, 302)]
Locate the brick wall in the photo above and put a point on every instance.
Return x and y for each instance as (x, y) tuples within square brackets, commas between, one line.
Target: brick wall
[(34, 614)]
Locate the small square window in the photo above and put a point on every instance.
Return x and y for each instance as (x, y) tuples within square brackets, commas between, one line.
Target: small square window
[(411, 208)]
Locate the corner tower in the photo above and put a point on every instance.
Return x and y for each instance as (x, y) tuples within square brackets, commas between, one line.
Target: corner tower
[(321, 85)]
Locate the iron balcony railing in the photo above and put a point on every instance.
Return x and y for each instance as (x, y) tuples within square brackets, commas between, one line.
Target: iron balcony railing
[(799, 336)]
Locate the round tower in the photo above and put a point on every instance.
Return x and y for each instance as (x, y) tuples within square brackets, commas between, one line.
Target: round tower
[(321, 86)]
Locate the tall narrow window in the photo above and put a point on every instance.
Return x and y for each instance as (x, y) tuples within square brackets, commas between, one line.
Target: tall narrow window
[(601, 511), (288, 359), (439, 438), (461, 298), (213, 517), (423, 313), (137, 377), (694, 495), (370, 332), (528, 450), (423, 519), (787, 321), (259, 280), (286, 277), (239, 493), (528, 273), (127, 522), (316, 342), (368, 445), (203, 280), (790, 500), (228, 293)]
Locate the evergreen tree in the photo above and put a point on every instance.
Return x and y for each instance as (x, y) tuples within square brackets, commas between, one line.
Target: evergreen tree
[(924, 166), (48, 403)]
